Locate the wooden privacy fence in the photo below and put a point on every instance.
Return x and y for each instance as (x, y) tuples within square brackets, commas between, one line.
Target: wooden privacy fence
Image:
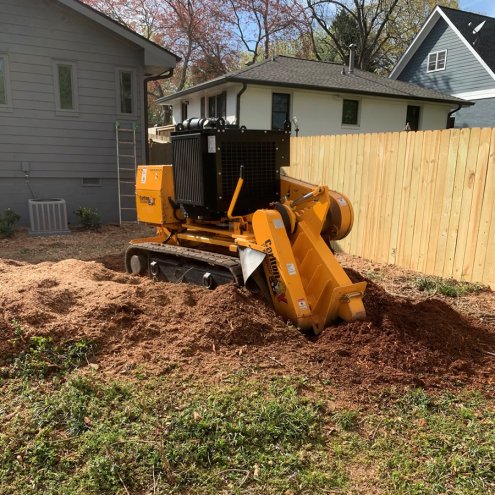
[(422, 200)]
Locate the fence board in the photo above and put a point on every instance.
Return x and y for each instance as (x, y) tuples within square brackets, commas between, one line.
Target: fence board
[(398, 197), (455, 201), (422, 200), (487, 216)]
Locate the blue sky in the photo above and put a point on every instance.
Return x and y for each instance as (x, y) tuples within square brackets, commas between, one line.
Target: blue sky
[(486, 7)]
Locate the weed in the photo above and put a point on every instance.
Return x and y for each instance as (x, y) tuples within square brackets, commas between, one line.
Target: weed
[(43, 356), (446, 287), (347, 420), (7, 222), (90, 218)]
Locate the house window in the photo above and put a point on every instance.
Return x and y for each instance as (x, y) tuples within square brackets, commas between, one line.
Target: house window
[(183, 111), (3, 80), (280, 109), (217, 105), (126, 91), (350, 112), (412, 117), (437, 61), (202, 110), (65, 86)]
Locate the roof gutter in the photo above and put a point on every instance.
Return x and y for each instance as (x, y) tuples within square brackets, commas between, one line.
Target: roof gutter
[(238, 104), (449, 115), (161, 77)]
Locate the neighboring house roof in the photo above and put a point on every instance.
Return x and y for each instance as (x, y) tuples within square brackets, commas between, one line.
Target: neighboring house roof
[(290, 72), (476, 31), (157, 58)]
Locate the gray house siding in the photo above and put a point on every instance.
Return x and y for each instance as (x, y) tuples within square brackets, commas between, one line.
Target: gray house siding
[(45, 153), (482, 114), (463, 73)]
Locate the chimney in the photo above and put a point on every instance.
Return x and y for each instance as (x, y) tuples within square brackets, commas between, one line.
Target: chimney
[(352, 56)]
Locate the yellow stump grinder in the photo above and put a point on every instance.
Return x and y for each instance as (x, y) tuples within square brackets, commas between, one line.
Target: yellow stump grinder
[(225, 213)]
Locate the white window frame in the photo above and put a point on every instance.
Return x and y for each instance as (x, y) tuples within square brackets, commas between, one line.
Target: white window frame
[(75, 92), (436, 54), (360, 104), (7, 106), (118, 71)]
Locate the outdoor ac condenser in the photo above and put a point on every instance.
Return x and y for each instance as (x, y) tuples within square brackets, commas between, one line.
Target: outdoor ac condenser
[(48, 217)]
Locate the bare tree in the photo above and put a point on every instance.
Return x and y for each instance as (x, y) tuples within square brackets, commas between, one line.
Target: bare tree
[(382, 29), (262, 24), (371, 19)]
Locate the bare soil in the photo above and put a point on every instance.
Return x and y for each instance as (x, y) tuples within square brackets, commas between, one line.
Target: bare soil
[(408, 338)]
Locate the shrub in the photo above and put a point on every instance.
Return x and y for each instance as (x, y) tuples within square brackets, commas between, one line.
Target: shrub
[(90, 218), (7, 222)]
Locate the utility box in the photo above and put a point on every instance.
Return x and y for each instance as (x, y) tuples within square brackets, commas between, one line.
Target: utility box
[(154, 190), (48, 217)]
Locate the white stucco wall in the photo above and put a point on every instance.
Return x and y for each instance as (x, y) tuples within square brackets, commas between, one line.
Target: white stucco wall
[(194, 102), (319, 112)]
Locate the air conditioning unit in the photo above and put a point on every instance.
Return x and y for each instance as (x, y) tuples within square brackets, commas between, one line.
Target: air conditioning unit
[(48, 217)]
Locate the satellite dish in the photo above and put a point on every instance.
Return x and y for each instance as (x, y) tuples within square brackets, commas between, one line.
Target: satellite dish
[(478, 28)]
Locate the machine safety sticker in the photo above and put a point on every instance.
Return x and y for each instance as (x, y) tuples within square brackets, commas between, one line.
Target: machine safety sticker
[(212, 145), (291, 268), (303, 305), (143, 175), (278, 223)]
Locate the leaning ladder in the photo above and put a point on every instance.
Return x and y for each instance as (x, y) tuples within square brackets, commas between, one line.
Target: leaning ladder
[(125, 139)]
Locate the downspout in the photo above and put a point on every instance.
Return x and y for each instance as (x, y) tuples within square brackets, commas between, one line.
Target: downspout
[(238, 104), (161, 77), (452, 113)]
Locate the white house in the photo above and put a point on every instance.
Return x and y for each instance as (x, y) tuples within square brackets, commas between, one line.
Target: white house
[(319, 97)]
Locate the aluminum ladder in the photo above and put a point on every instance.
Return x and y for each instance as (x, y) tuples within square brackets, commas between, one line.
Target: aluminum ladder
[(125, 139)]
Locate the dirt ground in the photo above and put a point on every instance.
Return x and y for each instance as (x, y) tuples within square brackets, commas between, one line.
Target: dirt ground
[(74, 287)]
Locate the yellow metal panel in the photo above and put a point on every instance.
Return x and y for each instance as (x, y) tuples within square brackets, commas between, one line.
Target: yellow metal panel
[(154, 187), (289, 298)]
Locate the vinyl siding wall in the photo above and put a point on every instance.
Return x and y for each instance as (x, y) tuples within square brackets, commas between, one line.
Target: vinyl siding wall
[(482, 114), (463, 73), (45, 152)]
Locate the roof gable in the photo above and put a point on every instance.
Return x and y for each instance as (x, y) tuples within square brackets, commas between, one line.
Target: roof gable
[(476, 32), (156, 58)]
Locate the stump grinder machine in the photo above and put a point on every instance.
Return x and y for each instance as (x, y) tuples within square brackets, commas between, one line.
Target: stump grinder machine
[(224, 212)]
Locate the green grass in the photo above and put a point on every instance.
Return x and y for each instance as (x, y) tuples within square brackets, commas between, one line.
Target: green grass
[(446, 287), (92, 436), (80, 432)]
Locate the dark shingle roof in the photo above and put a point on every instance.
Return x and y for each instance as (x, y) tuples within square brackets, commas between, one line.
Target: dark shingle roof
[(482, 41), (292, 72)]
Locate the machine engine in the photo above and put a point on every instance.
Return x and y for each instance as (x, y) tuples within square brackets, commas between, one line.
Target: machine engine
[(209, 158)]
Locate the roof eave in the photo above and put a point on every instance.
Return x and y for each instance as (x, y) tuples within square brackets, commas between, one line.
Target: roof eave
[(195, 89)]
